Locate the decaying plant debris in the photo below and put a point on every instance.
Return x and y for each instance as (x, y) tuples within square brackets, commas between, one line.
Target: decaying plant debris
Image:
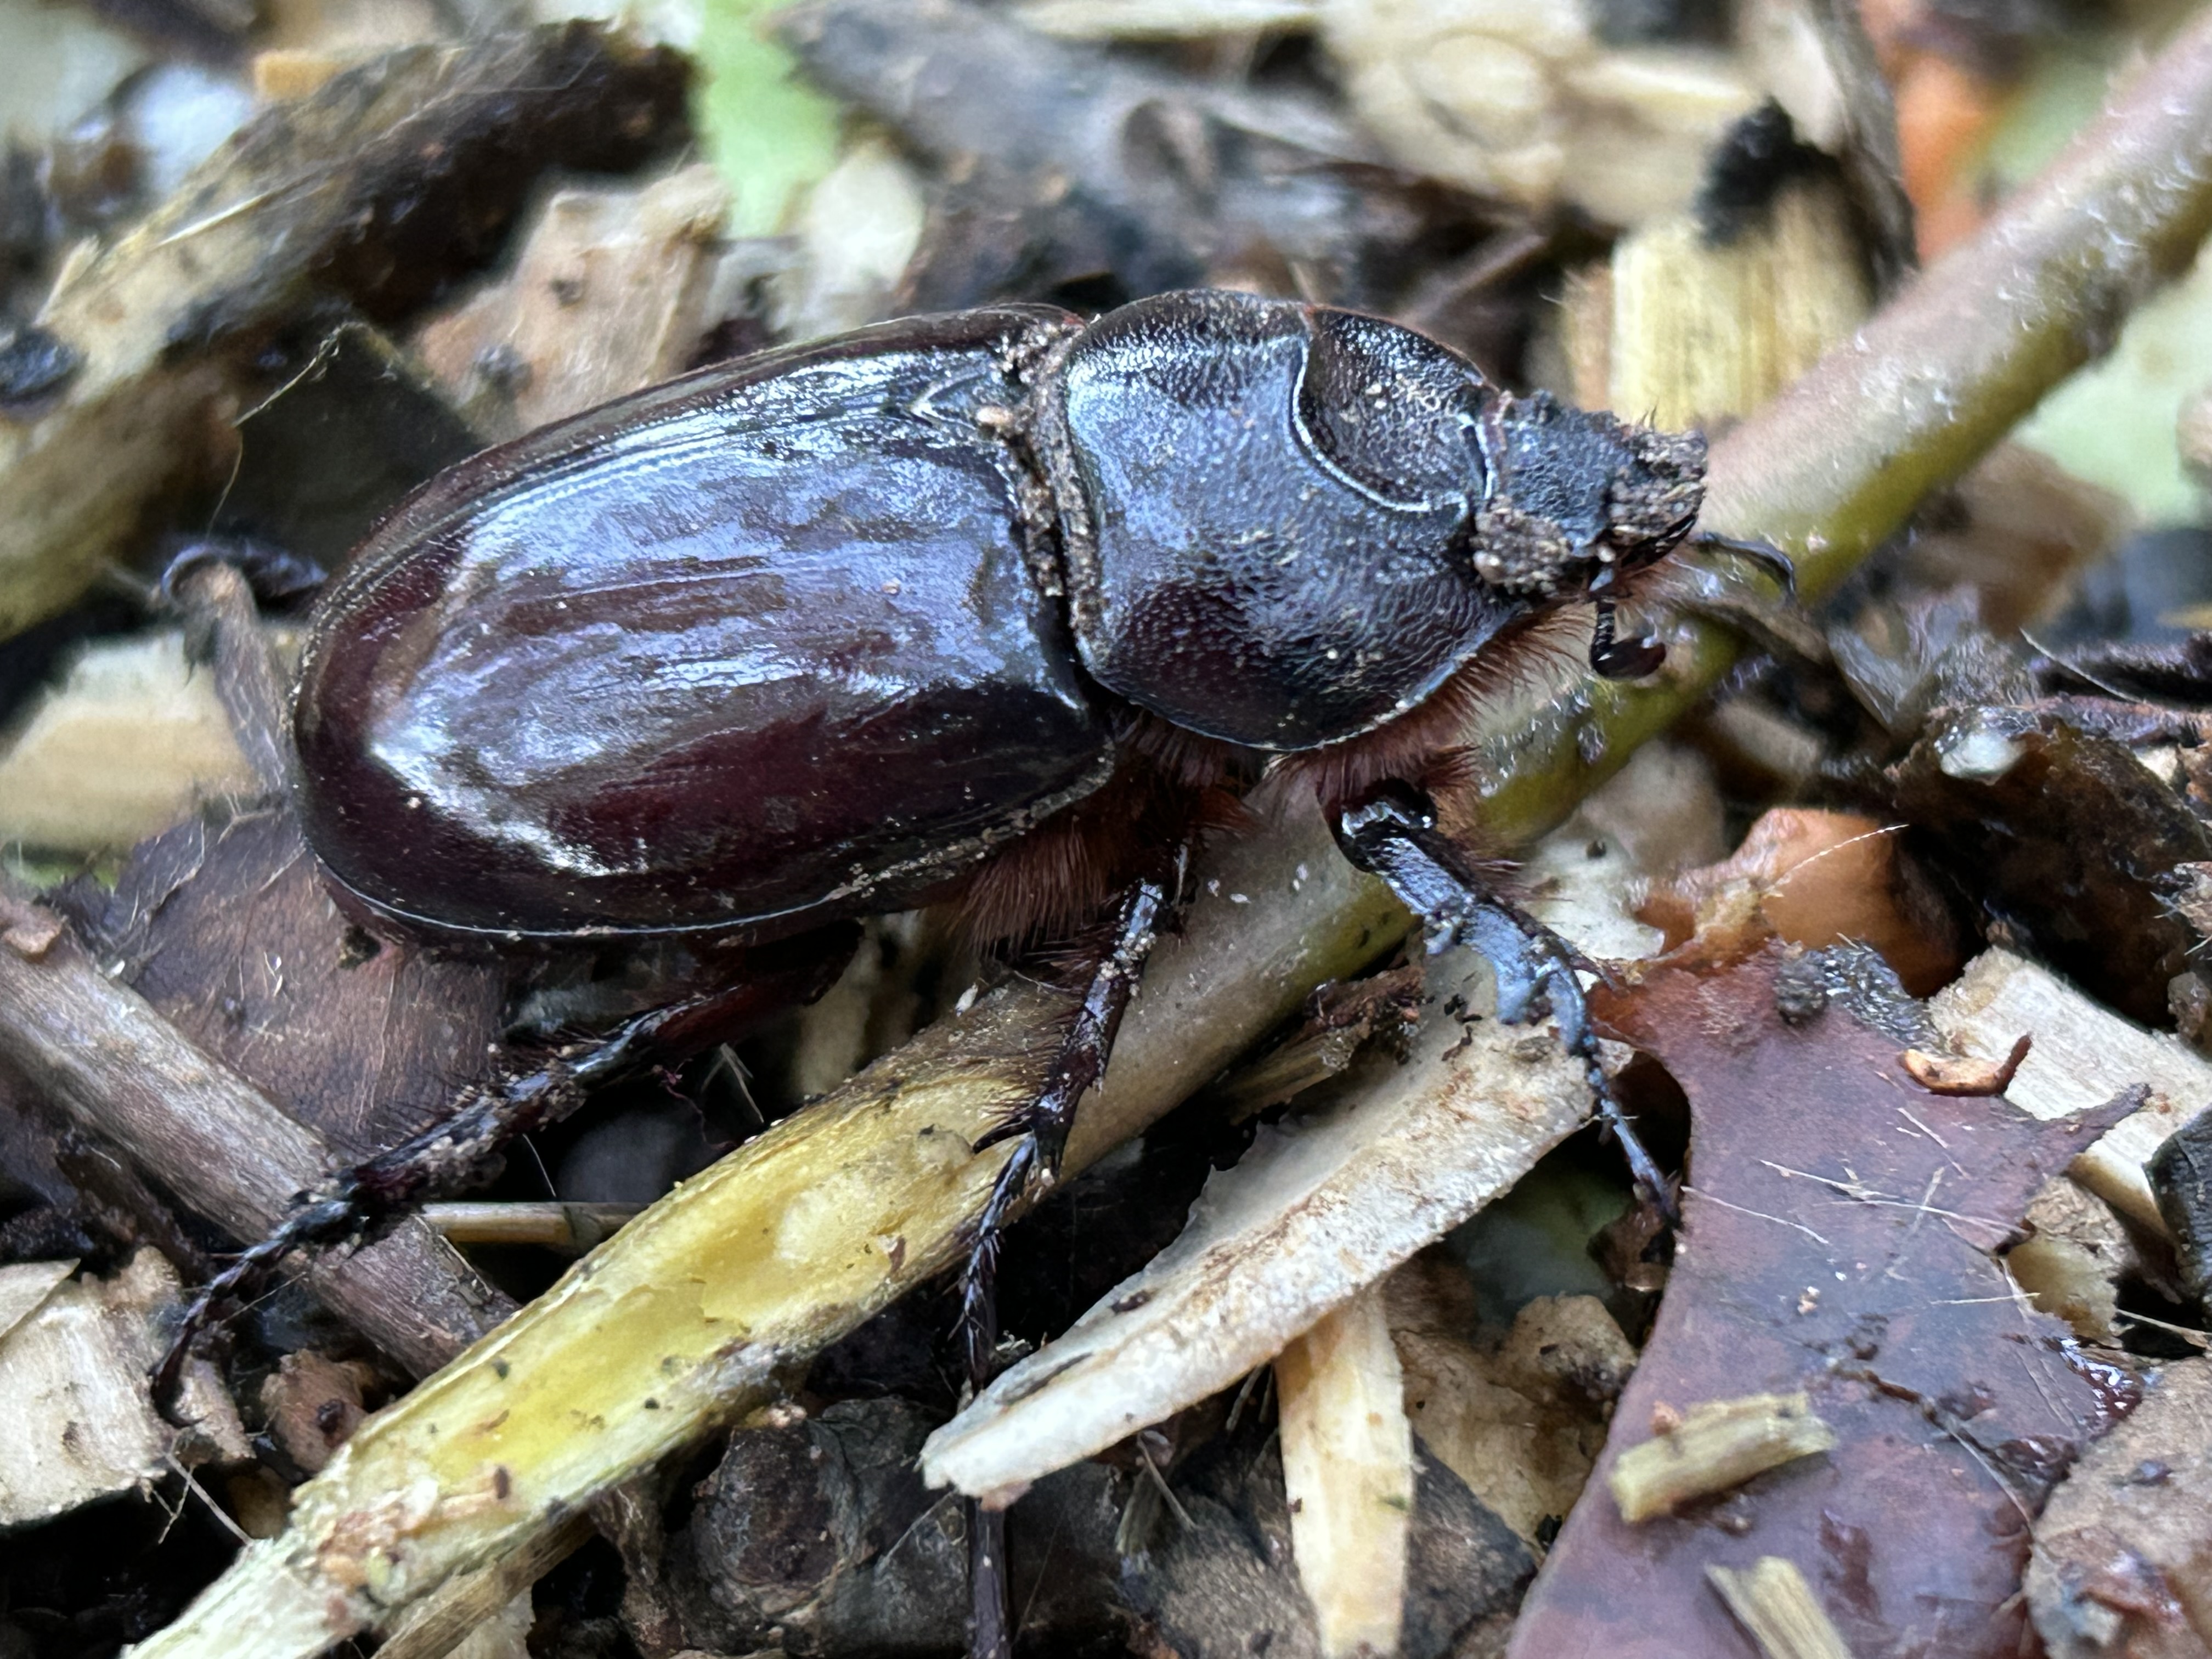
[(1849, 1253), (1339, 1339)]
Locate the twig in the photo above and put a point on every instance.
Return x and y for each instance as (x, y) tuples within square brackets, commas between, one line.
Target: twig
[(1832, 467), (575, 1228), (109, 1062)]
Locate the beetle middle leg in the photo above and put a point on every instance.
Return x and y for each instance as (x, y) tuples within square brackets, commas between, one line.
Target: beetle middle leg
[(1394, 836), (1041, 1124)]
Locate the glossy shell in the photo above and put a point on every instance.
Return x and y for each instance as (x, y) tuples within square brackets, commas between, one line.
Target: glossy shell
[(1267, 510), (745, 653)]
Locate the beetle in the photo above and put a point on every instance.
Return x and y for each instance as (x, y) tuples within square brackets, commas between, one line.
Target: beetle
[(810, 635), (983, 605), (992, 606)]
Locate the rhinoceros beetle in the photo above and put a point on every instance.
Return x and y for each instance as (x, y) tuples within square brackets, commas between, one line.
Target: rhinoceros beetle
[(983, 606), (817, 634)]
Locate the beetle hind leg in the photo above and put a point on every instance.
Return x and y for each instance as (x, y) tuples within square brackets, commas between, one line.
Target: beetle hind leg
[(1394, 836), (349, 1205)]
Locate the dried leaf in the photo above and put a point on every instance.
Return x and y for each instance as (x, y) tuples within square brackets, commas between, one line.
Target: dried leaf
[(1839, 1239), (226, 925)]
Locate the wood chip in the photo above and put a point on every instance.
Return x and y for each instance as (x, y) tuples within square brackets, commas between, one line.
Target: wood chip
[(2084, 1054), (1348, 1471), (606, 297), (1777, 1605), (1321, 1207), (73, 1370), (124, 747), (1952, 1074), (1717, 1444)]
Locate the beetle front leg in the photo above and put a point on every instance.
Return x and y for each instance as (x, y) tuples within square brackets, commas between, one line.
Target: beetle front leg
[(1394, 836)]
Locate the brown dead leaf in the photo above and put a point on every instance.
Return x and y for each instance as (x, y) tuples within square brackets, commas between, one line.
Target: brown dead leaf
[(229, 929), (1840, 1234)]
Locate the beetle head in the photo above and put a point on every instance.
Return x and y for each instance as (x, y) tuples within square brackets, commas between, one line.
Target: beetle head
[(1576, 497)]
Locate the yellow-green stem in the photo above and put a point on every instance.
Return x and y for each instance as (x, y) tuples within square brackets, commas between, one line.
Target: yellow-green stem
[(1834, 465)]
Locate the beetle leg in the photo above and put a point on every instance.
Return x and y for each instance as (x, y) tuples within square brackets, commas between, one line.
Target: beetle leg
[(460, 1147), (1043, 1122), (348, 1205), (1043, 1125), (1394, 836)]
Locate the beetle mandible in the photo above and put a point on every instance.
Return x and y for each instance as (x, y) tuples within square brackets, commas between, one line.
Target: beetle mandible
[(983, 605)]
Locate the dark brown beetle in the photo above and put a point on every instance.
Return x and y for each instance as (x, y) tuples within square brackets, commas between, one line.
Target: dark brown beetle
[(811, 635), (984, 606)]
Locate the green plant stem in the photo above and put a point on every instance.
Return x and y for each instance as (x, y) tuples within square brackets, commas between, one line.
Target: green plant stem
[(1833, 466)]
